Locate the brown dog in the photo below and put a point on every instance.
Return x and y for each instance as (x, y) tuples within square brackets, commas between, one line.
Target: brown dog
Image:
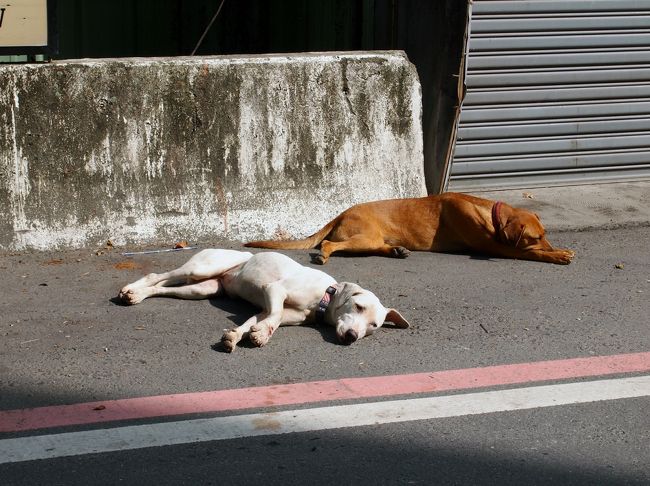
[(446, 223)]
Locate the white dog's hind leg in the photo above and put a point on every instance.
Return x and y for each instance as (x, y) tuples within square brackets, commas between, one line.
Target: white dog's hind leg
[(146, 281), (204, 265), (197, 291), (207, 264), (175, 277)]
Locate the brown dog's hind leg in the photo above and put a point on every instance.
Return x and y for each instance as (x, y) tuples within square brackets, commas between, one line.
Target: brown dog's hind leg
[(399, 252), (360, 244)]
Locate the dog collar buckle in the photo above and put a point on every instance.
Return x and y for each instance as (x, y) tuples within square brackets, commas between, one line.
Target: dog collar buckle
[(324, 304)]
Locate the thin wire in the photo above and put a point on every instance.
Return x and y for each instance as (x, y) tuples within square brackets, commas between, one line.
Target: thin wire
[(208, 28), (147, 252)]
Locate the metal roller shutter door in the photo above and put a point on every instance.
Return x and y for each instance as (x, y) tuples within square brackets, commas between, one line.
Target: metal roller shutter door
[(558, 92)]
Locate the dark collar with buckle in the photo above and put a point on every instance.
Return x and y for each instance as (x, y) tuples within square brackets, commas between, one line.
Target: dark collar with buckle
[(496, 209), (324, 304)]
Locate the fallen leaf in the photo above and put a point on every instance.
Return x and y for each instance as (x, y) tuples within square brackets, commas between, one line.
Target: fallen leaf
[(56, 261), (528, 195), (181, 244), (620, 266), (100, 407), (109, 244)]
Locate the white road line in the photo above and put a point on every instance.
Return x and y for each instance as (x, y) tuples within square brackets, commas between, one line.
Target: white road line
[(322, 418)]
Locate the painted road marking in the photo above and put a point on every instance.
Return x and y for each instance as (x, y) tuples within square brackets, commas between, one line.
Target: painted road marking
[(323, 418), (319, 391)]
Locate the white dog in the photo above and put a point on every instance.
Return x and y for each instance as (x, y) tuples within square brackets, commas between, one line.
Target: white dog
[(287, 292)]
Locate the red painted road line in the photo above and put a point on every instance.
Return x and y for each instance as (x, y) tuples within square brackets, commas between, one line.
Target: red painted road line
[(318, 391)]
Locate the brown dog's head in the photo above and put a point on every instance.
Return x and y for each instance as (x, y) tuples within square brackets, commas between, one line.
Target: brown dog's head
[(521, 229), (357, 312)]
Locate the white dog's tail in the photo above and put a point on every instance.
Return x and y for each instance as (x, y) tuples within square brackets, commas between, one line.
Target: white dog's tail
[(306, 243)]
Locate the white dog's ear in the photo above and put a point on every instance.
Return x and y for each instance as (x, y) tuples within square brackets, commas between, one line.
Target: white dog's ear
[(397, 319)]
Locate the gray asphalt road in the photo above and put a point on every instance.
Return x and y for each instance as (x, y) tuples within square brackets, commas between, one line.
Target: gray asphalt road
[(64, 340)]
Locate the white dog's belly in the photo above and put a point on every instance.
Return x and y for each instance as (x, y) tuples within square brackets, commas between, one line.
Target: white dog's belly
[(249, 280), (235, 286)]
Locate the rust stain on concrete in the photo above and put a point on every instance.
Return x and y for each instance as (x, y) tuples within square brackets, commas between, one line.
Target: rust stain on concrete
[(127, 265)]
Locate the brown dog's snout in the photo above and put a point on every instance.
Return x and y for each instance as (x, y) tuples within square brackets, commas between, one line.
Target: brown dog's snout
[(349, 337)]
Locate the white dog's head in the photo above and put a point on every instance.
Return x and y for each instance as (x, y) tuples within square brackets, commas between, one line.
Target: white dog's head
[(357, 312)]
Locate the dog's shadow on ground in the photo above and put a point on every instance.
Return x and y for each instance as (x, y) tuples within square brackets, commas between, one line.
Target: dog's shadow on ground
[(239, 311)]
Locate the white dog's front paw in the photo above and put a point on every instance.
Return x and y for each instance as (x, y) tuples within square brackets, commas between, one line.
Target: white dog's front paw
[(260, 334), (230, 339)]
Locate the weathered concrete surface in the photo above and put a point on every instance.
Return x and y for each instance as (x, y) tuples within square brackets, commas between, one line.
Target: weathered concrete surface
[(584, 207), (152, 150)]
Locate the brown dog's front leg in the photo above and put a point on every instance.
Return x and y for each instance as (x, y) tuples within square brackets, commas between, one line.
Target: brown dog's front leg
[(559, 257)]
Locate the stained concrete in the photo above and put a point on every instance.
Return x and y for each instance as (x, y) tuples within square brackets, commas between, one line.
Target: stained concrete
[(149, 151)]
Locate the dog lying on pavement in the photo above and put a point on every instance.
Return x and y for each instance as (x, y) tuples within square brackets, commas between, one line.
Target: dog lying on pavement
[(288, 294), (448, 222)]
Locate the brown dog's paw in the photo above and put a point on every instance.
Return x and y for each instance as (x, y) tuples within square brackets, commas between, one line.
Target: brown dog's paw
[(399, 252), (319, 259), (565, 256)]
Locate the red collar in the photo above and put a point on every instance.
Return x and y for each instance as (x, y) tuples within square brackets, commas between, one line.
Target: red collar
[(324, 304)]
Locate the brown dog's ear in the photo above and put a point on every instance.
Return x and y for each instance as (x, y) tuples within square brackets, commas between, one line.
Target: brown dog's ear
[(510, 225), (512, 233), (397, 319), (503, 217)]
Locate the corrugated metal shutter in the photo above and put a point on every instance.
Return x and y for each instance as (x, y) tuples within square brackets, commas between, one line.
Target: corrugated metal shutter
[(558, 92)]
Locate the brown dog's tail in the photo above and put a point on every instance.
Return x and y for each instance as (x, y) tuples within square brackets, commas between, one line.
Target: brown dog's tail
[(305, 244)]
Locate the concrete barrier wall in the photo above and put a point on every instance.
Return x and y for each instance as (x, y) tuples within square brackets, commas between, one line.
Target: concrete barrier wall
[(149, 151)]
